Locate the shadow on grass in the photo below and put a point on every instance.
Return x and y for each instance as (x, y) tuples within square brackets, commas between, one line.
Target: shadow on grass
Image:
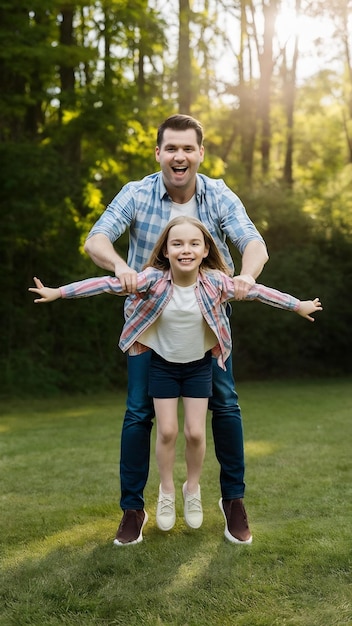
[(177, 578), (75, 577)]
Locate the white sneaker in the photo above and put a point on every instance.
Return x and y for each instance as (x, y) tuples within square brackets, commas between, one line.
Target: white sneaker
[(193, 510), (165, 512)]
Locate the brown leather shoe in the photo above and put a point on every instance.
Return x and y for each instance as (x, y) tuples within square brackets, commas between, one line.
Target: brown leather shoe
[(236, 523), (131, 526)]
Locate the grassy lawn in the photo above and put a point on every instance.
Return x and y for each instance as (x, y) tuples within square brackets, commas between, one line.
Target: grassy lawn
[(60, 510)]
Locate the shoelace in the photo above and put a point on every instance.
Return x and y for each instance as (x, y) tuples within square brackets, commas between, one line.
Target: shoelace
[(194, 504), (166, 505)]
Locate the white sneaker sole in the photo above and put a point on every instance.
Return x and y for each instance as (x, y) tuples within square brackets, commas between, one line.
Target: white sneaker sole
[(165, 528)]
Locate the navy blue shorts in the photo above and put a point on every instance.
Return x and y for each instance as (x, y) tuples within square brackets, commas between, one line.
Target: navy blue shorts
[(175, 380)]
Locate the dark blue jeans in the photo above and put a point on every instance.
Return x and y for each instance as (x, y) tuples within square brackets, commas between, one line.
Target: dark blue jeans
[(135, 439)]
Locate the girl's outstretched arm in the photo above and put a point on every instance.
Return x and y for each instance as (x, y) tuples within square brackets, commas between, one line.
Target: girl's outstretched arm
[(47, 294), (95, 286), (306, 307)]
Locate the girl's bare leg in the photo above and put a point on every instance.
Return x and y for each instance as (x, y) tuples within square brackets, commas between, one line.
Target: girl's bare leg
[(194, 429), (167, 431)]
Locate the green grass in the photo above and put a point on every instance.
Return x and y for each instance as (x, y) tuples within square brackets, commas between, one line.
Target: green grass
[(59, 513)]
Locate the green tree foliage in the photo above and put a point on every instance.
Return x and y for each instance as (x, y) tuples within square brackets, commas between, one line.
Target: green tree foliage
[(83, 89), (66, 114), (306, 262)]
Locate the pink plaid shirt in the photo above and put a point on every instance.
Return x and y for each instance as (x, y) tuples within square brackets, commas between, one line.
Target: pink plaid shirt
[(154, 290)]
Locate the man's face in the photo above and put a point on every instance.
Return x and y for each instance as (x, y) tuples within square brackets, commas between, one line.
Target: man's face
[(180, 156)]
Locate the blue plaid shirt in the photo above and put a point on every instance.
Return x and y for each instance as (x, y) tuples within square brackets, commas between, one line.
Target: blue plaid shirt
[(144, 207)]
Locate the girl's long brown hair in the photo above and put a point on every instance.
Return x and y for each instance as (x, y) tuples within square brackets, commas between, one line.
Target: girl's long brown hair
[(214, 260)]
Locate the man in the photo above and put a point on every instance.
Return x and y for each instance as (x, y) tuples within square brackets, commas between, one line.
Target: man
[(145, 207)]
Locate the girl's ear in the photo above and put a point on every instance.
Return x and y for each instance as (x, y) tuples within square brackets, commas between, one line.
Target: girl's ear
[(165, 253), (206, 251)]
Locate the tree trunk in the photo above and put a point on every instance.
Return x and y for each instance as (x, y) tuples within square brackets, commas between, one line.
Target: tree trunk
[(184, 72), (289, 103), (347, 118), (67, 69), (71, 148), (247, 110), (266, 69)]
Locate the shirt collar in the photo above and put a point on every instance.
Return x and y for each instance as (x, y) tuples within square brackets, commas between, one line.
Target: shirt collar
[(200, 278), (162, 188), (168, 275), (200, 187)]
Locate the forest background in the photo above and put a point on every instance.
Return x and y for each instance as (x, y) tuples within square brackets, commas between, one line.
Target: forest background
[(83, 87)]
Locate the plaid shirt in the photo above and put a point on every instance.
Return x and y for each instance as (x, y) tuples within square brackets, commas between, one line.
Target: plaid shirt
[(145, 207), (154, 290)]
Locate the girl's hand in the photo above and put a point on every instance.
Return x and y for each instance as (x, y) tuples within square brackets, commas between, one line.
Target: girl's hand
[(47, 293), (307, 307)]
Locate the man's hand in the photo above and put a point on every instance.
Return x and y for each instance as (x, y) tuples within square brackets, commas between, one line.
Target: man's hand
[(103, 253), (242, 284), (127, 277)]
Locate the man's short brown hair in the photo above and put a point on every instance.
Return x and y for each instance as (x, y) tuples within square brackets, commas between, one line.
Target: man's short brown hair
[(180, 122)]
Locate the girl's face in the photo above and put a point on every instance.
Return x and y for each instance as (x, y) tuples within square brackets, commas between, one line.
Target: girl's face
[(185, 249)]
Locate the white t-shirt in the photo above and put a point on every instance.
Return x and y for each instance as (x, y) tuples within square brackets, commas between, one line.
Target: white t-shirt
[(180, 334), (189, 208)]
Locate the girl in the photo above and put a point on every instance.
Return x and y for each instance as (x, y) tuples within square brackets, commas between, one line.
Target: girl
[(178, 312)]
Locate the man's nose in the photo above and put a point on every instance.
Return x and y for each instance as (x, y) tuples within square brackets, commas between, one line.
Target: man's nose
[(180, 155)]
